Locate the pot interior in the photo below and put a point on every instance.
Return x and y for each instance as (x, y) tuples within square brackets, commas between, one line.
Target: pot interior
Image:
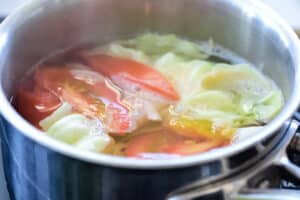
[(44, 27)]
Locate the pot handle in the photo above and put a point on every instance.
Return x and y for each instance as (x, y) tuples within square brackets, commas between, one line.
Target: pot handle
[(271, 194), (235, 188), (283, 161)]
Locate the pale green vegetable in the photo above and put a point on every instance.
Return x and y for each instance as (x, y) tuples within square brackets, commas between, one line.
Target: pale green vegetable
[(216, 100), (96, 140), (167, 62), (234, 94), (70, 129), (95, 143), (259, 99), (269, 106), (64, 110), (116, 49), (217, 106), (147, 48), (184, 75), (241, 79), (156, 45), (78, 130)]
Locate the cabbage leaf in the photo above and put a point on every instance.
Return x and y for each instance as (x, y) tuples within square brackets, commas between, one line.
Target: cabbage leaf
[(76, 129)]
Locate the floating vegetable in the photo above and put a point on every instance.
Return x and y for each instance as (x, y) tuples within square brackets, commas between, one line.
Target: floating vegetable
[(76, 129), (150, 97), (130, 74), (165, 142), (35, 103)]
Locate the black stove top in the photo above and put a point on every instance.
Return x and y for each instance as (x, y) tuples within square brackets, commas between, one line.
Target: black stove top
[(286, 180)]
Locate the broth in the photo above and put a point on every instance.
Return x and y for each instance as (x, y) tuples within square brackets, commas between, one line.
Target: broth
[(150, 97)]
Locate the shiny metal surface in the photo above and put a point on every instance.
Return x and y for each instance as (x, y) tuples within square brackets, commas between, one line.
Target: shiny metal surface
[(295, 144), (35, 173), (246, 27), (271, 194), (235, 186), (53, 170)]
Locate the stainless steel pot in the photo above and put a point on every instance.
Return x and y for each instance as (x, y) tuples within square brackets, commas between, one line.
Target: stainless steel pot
[(38, 167)]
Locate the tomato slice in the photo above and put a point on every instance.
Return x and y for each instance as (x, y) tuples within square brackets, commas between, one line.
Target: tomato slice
[(35, 103), (114, 116), (165, 142), (189, 147), (82, 102), (122, 71), (89, 93), (152, 142), (52, 78)]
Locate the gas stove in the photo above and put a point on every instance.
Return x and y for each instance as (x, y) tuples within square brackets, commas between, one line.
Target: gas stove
[(267, 168)]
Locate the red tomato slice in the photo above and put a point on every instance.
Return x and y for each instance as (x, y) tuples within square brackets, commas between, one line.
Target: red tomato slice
[(56, 78), (168, 143), (153, 142), (36, 103), (89, 93), (122, 70), (52, 78), (81, 102), (189, 147), (114, 116)]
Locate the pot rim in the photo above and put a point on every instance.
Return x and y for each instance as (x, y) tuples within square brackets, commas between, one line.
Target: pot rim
[(9, 113)]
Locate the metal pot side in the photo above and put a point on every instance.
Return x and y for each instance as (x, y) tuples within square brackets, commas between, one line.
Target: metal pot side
[(42, 27)]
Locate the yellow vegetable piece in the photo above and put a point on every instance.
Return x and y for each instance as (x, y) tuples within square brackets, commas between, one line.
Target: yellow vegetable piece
[(240, 79), (206, 129)]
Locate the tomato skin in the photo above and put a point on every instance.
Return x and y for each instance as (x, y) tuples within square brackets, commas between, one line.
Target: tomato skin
[(185, 148), (166, 142), (149, 143), (121, 70), (58, 78), (88, 95), (114, 116), (51, 78), (81, 102), (35, 103)]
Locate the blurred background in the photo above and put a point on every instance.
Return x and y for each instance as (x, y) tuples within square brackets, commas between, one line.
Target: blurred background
[(288, 9)]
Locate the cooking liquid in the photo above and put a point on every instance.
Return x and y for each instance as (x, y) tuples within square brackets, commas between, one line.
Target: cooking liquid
[(121, 142)]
